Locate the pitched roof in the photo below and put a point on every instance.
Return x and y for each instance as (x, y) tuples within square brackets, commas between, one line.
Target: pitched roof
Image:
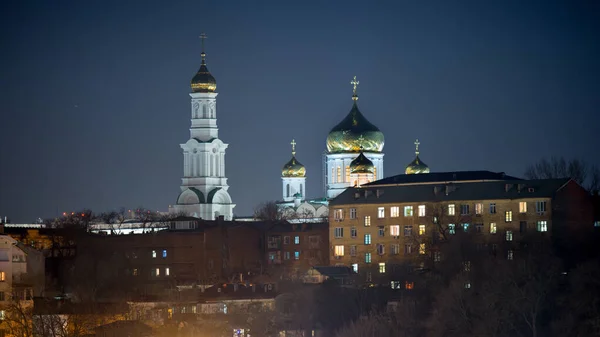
[(334, 271), (442, 177), (439, 192)]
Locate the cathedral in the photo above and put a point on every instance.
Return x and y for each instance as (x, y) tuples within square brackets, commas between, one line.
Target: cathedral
[(354, 157), (204, 185)]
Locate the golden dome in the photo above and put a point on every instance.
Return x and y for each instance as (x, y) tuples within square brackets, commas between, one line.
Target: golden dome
[(203, 81), (293, 169), (416, 166), (345, 137), (362, 164)]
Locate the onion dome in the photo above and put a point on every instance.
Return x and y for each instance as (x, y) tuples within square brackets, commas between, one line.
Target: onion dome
[(417, 166), (203, 81), (293, 168), (362, 164), (344, 137)]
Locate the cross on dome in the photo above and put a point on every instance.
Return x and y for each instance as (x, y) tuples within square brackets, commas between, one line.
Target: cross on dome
[(203, 37), (354, 83), (293, 143), (417, 147)]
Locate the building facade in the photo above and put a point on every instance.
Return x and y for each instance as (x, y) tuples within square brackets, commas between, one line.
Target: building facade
[(403, 219)]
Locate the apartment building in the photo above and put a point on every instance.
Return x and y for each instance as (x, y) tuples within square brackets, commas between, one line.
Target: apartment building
[(403, 218)]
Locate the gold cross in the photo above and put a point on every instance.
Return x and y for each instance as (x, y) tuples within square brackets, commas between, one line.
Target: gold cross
[(203, 37), (354, 83), (293, 147), (417, 146)]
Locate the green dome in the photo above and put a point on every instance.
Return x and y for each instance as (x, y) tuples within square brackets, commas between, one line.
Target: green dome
[(416, 166), (346, 136)]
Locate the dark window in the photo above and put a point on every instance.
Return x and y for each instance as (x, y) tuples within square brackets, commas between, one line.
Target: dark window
[(523, 226)]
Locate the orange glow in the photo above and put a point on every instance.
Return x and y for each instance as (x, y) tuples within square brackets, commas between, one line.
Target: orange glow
[(409, 285)]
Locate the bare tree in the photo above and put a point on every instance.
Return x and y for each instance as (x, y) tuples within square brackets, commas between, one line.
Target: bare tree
[(269, 211), (583, 173)]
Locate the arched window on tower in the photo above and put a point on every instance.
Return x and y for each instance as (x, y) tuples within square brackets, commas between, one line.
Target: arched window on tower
[(375, 172), (333, 175), (339, 174), (287, 190), (347, 173), (204, 112)]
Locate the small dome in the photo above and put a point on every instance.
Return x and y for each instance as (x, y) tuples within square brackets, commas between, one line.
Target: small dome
[(203, 81), (416, 166), (362, 164), (293, 169)]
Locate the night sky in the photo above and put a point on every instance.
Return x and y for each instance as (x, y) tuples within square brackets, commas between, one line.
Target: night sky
[(94, 94)]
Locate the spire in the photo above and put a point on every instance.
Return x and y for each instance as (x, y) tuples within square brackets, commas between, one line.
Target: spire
[(203, 54), (293, 143), (354, 83), (417, 147)]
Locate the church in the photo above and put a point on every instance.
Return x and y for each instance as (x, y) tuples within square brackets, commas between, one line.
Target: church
[(353, 157)]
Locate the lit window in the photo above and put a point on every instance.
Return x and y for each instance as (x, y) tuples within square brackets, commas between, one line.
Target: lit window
[(154, 254), (352, 213), (381, 212), (339, 250), (367, 239), (380, 249), (542, 226), (347, 173), (395, 284), (421, 229), (540, 207), (421, 210), (509, 235), (452, 228), (367, 257), (382, 267), (596, 223), (135, 272), (353, 232), (2, 276), (493, 208), (339, 174), (478, 208), (395, 230), (296, 255), (407, 249), (408, 211), (508, 216), (338, 232), (523, 207), (493, 228), (296, 240), (407, 230), (367, 221), (467, 266), (394, 211), (338, 214), (465, 227), (353, 250), (395, 249), (2, 314), (467, 285), (167, 271), (464, 209), (355, 267), (509, 256), (157, 272), (164, 255), (409, 285), (381, 231), (422, 248), (451, 209)]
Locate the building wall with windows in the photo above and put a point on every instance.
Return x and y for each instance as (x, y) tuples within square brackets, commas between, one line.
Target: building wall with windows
[(378, 226)]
